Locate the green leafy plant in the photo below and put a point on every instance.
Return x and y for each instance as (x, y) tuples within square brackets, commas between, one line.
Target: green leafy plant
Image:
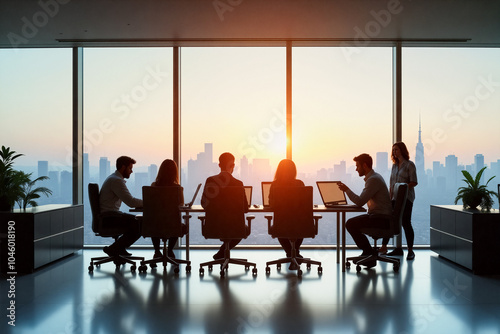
[(474, 193), (29, 193), (17, 186)]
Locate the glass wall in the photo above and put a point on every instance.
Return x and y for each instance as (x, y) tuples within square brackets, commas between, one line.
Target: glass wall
[(233, 100), (342, 107), (36, 116), (452, 96), (127, 111)]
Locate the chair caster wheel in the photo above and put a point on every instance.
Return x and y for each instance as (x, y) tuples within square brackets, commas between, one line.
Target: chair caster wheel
[(358, 268), (299, 273), (247, 268), (395, 267), (143, 268), (222, 274), (202, 271), (308, 266), (91, 268), (188, 269), (176, 270), (133, 268), (320, 270), (278, 266), (348, 265), (153, 265), (254, 271), (268, 270), (210, 267)]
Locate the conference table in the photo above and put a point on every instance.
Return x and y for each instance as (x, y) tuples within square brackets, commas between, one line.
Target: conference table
[(320, 209)]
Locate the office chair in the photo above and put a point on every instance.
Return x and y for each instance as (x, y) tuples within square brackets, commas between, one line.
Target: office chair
[(224, 219), (106, 225), (162, 219), (293, 219), (401, 193)]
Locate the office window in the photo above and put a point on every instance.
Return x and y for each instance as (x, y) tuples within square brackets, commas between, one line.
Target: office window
[(342, 107), (36, 116), (127, 111), (233, 100), (452, 96)]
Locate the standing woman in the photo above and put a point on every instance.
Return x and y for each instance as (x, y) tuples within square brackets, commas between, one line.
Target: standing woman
[(168, 176), (403, 171), (286, 175)]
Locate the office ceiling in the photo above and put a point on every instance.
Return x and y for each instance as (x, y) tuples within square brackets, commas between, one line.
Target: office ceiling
[(104, 23)]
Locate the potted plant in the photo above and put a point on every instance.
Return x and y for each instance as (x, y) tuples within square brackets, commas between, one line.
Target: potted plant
[(474, 193), (29, 193), (17, 186)]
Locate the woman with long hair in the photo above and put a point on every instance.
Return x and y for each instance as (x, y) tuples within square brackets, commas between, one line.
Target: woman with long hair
[(286, 175), (403, 171), (168, 176)]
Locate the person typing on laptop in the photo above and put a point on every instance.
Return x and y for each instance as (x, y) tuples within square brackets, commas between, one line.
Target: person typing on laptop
[(376, 195)]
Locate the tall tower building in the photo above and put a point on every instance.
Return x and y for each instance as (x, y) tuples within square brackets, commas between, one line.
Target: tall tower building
[(419, 151), (43, 168), (104, 167), (478, 162)]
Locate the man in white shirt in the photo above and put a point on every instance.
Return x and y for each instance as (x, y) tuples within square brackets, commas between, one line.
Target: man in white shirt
[(113, 192), (376, 196)]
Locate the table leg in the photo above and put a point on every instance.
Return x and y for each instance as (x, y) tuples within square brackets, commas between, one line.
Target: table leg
[(338, 237), (343, 241), (186, 219)]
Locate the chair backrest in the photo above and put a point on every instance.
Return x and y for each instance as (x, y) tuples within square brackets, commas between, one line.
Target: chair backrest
[(161, 214), (225, 214), (400, 194), (95, 206), (293, 212)]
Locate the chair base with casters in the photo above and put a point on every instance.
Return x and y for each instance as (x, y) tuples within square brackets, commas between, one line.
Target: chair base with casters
[(118, 260), (395, 221), (164, 260), (226, 260), (376, 257), (293, 259)]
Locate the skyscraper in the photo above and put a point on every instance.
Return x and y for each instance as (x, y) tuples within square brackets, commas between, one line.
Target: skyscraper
[(478, 162), (419, 153), (43, 168), (104, 169)]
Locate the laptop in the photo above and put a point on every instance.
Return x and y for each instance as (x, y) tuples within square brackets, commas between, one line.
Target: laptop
[(190, 204), (266, 187), (332, 196), (248, 194)]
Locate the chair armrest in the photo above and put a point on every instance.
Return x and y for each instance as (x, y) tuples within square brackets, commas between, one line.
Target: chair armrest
[(249, 219), (316, 220), (269, 219)]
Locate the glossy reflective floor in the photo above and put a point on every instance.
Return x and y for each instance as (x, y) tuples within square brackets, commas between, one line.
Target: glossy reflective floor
[(428, 295)]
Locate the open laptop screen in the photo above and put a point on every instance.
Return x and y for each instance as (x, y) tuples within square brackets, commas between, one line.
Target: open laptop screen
[(330, 192), (266, 186), (248, 194), (190, 204)]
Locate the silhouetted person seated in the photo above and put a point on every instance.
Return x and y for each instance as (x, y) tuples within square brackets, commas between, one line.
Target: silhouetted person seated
[(221, 180), (376, 195), (113, 192), (168, 176), (286, 176)]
